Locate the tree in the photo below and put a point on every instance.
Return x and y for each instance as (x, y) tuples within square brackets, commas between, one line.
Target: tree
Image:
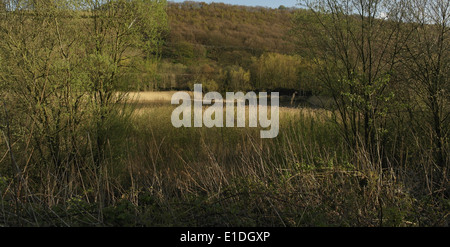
[(427, 67), (61, 66), (236, 79), (273, 70), (116, 31), (356, 51)]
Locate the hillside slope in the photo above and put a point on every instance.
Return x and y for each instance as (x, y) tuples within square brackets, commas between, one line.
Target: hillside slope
[(229, 47), (226, 33)]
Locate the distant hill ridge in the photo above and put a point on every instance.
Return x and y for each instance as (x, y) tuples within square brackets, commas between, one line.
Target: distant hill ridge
[(219, 30)]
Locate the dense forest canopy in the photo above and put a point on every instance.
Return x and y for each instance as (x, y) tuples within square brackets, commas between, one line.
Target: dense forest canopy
[(251, 29)]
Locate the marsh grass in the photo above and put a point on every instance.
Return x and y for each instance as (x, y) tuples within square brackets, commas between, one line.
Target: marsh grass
[(229, 176), (156, 175)]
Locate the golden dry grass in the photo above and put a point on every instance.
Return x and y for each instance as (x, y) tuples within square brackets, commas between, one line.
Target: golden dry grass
[(147, 101), (148, 97)]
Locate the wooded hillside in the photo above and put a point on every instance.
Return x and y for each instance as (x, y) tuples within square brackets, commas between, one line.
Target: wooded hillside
[(229, 47), (230, 29)]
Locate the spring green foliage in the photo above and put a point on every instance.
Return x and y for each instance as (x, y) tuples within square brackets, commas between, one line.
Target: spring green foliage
[(61, 69)]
